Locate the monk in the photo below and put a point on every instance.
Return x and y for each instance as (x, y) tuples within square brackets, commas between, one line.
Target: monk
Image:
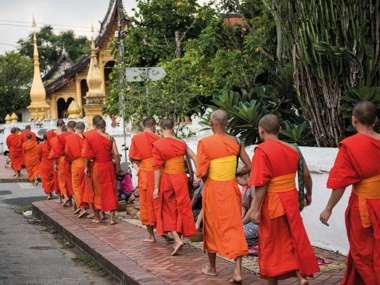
[(217, 160), (27, 131), (46, 168), (73, 155), (88, 155), (14, 144), (57, 155), (358, 164), (106, 165), (284, 247), (171, 186), (32, 157), (140, 154)]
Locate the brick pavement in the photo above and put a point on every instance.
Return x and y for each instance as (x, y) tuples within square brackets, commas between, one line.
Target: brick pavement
[(121, 250)]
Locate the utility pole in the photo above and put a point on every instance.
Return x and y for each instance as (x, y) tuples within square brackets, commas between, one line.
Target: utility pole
[(120, 17)]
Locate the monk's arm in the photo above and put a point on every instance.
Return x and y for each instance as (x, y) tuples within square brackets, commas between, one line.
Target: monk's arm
[(335, 197), (247, 162), (257, 202), (116, 156), (308, 183), (192, 155), (157, 175)]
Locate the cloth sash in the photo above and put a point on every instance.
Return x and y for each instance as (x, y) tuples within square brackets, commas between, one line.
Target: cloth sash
[(147, 164), (175, 165), (367, 189), (223, 169), (284, 183)]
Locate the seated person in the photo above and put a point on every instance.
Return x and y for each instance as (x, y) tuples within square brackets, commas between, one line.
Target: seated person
[(251, 230)]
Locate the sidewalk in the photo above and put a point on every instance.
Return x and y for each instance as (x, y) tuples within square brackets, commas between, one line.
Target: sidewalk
[(7, 174), (120, 249)]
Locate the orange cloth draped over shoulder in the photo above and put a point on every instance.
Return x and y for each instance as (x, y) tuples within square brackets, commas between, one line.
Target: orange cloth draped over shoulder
[(27, 132), (284, 246), (141, 150), (32, 158), (222, 202), (14, 144), (103, 172), (358, 164), (73, 154), (173, 210), (46, 168), (88, 154)]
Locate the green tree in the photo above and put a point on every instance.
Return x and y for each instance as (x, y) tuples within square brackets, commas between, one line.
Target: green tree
[(51, 46), (16, 73)]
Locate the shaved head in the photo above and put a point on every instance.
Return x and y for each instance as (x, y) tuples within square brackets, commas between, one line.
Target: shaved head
[(71, 125), (60, 123), (167, 124), (96, 119), (270, 124), (80, 126), (365, 113), (219, 118), (101, 124), (27, 127), (149, 123)]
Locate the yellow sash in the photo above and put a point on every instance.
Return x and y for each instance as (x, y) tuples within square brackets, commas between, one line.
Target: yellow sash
[(147, 164), (284, 183), (223, 169), (175, 165), (367, 189)]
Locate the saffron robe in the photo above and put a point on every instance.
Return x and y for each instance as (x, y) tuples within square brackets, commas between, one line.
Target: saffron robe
[(73, 155), (174, 212), (359, 159), (284, 246), (141, 150), (64, 173), (103, 172), (15, 151), (25, 133), (52, 141), (46, 168), (88, 155), (32, 158), (222, 201)]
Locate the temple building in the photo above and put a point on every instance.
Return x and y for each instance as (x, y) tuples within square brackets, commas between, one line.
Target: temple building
[(77, 89)]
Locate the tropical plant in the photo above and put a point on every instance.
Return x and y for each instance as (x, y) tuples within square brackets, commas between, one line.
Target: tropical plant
[(296, 133), (333, 48)]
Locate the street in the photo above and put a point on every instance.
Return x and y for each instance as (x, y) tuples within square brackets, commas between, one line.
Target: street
[(32, 255)]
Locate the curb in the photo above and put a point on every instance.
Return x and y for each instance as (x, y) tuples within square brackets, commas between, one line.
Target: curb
[(123, 277)]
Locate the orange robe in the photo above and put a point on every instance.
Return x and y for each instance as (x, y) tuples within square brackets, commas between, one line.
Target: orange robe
[(174, 211), (88, 154), (73, 155), (46, 169), (103, 172), (63, 173), (15, 151), (284, 246), (359, 160), (222, 202), (141, 150), (25, 133), (32, 158)]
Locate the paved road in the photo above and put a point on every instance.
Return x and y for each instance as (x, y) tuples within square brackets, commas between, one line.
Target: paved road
[(30, 255)]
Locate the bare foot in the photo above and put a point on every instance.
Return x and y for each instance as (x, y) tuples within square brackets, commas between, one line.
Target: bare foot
[(304, 282), (91, 216), (208, 271), (150, 239), (96, 221), (236, 280), (177, 248), (113, 222), (82, 214), (77, 211)]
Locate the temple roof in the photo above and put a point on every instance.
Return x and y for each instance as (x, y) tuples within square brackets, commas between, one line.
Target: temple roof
[(63, 63), (58, 77)]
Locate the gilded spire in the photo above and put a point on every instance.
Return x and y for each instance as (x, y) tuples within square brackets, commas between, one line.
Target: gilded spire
[(74, 110), (37, 91), (94, 76)]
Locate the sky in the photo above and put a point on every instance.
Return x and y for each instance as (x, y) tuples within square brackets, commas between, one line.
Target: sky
[(78, 15)]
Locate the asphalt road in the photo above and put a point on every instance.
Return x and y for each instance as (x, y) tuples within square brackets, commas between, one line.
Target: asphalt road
[(29, 254)]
